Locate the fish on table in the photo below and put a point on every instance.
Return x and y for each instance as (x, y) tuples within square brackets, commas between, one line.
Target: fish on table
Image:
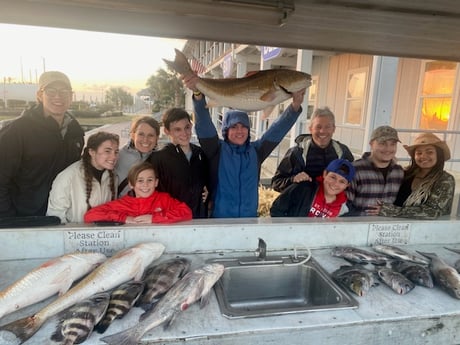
[(399, 253), (125, 265), (395, 280), (359, 256), (53, 276), (416, 273), (356, 278), (122, 299), (193, 286), (160, 278), (444, 275), (77, 323), (261, 90)]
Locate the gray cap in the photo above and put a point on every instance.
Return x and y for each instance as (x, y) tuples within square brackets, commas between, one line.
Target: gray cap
[(384, 133)]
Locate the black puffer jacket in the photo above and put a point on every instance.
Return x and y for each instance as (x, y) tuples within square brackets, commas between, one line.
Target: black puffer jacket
[(33, 152), (182, 179)]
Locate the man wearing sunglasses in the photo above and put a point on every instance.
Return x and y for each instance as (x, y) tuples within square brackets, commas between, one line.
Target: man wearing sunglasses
[(36, 146)]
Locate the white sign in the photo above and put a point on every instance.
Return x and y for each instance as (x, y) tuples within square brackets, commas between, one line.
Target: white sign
[(391, 234), (101, 241)]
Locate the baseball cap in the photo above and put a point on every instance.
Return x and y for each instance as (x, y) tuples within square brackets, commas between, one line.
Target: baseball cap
[(384, 133), (52, 76), (342, 167)]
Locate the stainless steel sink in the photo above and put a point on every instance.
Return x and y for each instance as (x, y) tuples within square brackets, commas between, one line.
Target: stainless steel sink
[(277, 285)]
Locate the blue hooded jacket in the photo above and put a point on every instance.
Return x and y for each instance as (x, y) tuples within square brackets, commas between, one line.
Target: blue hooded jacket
[(235, 169)]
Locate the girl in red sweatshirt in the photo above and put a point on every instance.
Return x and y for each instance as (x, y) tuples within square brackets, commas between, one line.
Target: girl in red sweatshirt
[(142, 205)]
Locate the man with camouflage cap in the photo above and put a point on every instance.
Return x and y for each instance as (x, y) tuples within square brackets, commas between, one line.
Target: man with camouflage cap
[(378, 176), (36, 146)]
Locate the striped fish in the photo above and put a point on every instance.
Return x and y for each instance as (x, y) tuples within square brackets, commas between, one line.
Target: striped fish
[(160, 278), (121, 301), (77, 323)]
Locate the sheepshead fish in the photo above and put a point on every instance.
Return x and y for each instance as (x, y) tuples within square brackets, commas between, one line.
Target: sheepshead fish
[(77, 322), (359, 256), (125, 265), (416, 273), (356, 278), (122, 299), (395, 280), (398, 253), (193, 286), (261, 90), (444, 275), (160, 278), (53, 276)]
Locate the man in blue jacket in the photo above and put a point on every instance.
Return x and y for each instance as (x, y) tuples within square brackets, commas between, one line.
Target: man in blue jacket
[(235, 161)]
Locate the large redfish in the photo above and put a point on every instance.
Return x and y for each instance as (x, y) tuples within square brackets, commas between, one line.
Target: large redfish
[(53, 276), (261, 90), (125, 265), (193, 286)]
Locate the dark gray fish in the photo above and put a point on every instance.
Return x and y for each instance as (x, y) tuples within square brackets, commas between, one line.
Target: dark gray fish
[(356, 278), (193, 286), (398, 253), (77, 322), (444, 275), (160, 278), (417, 274), (121, 301), (360, 256), (395, 280)]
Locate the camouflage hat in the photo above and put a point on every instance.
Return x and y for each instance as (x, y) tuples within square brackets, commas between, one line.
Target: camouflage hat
[(53, 76), (428, 139), (384, 133)]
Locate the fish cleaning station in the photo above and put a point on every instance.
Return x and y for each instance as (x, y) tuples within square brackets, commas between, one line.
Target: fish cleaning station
[(422, 316)]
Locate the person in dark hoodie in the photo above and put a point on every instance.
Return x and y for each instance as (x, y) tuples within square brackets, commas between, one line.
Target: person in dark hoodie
[(235, 161), (313, 152), (324, 197), (182, 166), (36, 146)]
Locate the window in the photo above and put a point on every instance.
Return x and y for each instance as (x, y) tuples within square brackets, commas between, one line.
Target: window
[(355, 95), (312, 96), (435, 100)]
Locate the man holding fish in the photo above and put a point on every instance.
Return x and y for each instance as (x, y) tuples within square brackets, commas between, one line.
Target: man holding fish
[(235, 161)]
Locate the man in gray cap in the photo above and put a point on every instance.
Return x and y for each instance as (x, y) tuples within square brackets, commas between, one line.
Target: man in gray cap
[(378, 176), (36, 146)]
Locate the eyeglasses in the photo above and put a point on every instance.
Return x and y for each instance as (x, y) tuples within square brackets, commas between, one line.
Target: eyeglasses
[(52, 92)]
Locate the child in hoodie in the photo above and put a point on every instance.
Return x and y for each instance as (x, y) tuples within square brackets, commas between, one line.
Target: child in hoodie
[(142, 205)]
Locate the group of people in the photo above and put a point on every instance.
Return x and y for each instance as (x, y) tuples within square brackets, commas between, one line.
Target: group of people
[(48, 170)]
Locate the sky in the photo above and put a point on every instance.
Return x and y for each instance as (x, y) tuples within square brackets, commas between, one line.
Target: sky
[(93, 61)]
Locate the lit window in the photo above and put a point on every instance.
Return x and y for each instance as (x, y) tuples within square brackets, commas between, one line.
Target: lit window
[(356, 92), (436, 94)]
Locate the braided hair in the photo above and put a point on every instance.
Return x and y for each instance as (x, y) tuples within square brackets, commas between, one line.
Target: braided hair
[(93, 143)]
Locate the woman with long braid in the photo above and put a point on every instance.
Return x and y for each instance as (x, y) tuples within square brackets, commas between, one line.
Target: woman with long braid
[(88, 182)]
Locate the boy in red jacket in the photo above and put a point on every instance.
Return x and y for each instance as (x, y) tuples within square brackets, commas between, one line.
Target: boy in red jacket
[(142, 205)]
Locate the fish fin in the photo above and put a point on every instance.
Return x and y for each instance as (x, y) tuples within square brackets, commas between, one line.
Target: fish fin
[(211, 103), (204, 300), (180, 64), (102, 326), (268, 96), (267, 112), (169, 322), (23, 328), (57, 335), (64, 281), (453, 250), (129, 336), (248, 74), (428, 255)]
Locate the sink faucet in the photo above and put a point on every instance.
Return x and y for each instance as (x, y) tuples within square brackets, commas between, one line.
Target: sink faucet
[(261, 251)]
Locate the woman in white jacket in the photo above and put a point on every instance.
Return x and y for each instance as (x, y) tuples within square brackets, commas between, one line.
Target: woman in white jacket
[(88, 182)]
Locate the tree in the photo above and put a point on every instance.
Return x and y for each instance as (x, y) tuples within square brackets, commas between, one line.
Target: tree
[(118, 97), (167, 90)]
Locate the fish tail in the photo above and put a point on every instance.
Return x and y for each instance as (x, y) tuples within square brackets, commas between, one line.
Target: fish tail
[(129, 336), (180, 64), (24, 328)]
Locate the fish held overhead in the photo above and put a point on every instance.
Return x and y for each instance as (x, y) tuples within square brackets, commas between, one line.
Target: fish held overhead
[(262, 90)]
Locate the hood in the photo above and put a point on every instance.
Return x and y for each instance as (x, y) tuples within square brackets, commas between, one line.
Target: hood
[(232, 117)]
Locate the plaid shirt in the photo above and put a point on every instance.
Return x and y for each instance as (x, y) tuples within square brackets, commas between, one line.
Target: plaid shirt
[(369, 185)]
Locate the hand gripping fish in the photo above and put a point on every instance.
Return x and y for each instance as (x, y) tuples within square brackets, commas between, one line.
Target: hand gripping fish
[(54, 276), (125, 265), (261, 90), (193, 286)]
